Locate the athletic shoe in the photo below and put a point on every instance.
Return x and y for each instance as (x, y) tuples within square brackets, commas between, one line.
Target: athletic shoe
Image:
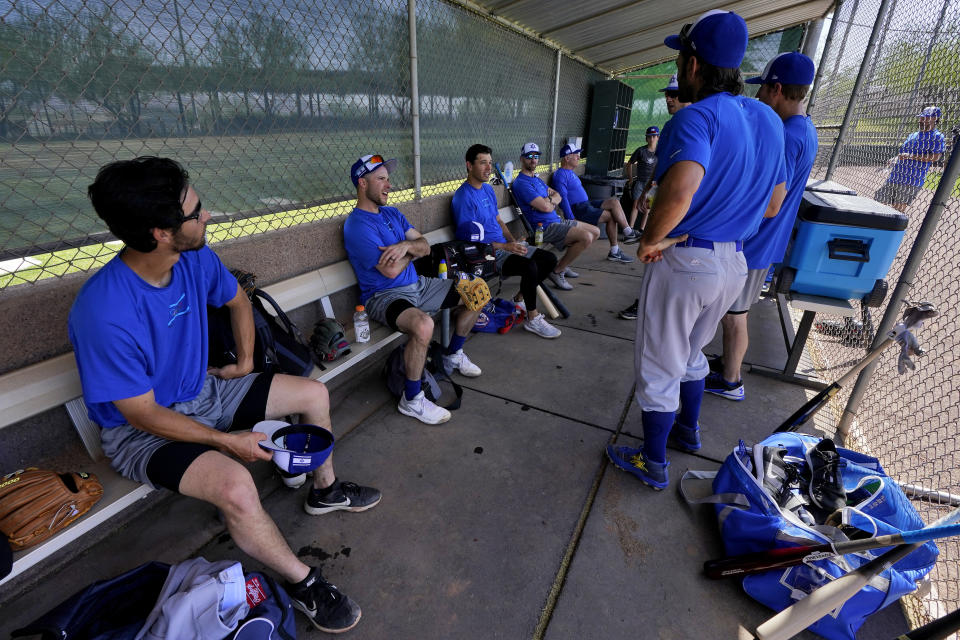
[(684, 438), (653, 474), (826, 484), (422, 409), (293, 480), (461, 362), (630, 313), (559, 281), (619, 256), (541, 327), (327, 608), (570, 273), (716, 385), (633, 238), (346, 496)]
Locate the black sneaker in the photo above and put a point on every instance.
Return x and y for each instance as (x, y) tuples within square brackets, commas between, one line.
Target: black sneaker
[(630, 313), (327, 608), (781, 479), (345, 496), (826, 483)]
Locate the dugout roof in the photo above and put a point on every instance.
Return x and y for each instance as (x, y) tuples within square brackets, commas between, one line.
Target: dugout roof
[(617, 36)]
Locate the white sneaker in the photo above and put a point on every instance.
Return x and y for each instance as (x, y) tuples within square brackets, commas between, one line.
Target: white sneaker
[(560, 282), (570, 273), (541, 327), (293, 480), (422, 409), (460, 361)]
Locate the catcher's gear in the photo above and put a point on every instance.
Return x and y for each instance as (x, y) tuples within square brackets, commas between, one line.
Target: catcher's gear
[(474, 292), (328, 342), (35, 503)]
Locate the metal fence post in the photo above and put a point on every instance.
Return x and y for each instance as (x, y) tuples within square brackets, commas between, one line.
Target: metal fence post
[(858, 85), (944, 190), (414, 96), (929, 53), (556, 101), (826, 50)]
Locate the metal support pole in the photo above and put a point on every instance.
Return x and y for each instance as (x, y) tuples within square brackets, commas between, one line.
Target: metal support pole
[(414, 96), (556, 101), (926, 58), (904, 284), (811, 38), (857, 87), (826, 50)]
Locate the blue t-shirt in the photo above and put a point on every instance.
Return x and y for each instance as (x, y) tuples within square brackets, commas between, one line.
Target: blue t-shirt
[(130, 337), (475, 214), (363, 235), (526, 189), (913, 172), (800, 150), (739, 143), (567, 184)]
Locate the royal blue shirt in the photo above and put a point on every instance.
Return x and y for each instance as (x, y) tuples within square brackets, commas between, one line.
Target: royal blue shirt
[(363, 235), (475, 214), (567, 184), (800, 150), (130, 337), (526, 189), (739, 143), (913, 172)]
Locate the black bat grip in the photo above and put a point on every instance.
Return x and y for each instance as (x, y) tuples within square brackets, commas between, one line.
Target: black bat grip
[(759, 561), (936, 630)]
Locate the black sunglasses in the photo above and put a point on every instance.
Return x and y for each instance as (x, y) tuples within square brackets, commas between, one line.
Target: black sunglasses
[(195, 215), (672, 94)]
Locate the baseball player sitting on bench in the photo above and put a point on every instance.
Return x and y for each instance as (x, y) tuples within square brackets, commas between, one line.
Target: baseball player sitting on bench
[(783, 85), (720, 169), (539, 203), (139, 327), (382, 245), (476, 219), (576, 205)]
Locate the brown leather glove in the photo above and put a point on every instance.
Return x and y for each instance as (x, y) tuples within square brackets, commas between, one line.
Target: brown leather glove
[(35, 504)]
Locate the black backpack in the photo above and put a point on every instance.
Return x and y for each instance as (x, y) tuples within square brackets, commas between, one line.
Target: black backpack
[(432, 380), (279, 346)]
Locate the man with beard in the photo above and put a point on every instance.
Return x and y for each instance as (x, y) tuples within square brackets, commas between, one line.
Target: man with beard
[(139, 330), (382, 245)]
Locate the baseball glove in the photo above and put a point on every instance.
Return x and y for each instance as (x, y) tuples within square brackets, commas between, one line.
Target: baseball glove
[(35, 504), (474, 292)]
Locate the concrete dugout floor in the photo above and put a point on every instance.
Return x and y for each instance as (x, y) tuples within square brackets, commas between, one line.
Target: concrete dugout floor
[(507, 522)]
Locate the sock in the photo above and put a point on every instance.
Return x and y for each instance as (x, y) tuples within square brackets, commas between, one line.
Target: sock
[(411, 388), (628, 231), (691, 395), (656, 428), (456, 343), (326, 490)]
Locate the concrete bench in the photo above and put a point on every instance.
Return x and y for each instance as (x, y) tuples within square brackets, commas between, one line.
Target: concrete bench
[(27, 392)]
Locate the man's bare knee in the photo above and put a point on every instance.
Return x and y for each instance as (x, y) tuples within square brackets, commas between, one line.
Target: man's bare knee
[(222, 481), (423, 328)]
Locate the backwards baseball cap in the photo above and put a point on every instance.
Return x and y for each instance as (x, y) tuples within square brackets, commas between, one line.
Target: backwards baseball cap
[(787, 68), (653, 131), (930, 112), (672, 85), (718, 37), (297, 448), (530, 147), (368, 164), (568, 148)]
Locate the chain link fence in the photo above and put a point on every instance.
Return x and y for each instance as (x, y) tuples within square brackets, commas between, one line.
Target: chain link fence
[(266, 103), (886, 152)]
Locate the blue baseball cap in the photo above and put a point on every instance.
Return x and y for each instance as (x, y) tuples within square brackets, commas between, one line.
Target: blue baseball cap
[(672, 85), (568, 148), (787, 68), (653, 131), (930, 112), (296, 448), (718, 37), (369, 163)]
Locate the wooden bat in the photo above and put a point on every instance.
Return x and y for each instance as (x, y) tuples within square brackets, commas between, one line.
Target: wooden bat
[(557, 304), (939, 629), (547, 305)]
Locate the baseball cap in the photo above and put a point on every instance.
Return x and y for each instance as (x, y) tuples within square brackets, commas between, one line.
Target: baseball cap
[(568, 148), (297, 448), (368, 164), (530, 147), (718, 37), (672, 85), (653, 131), (787, 68), (930, 112)]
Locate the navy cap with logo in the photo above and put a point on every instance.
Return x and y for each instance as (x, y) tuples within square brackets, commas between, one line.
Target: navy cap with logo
[(568, 148), (787, 68), (296, 448), (368, 164), (717, 37), (653, 131)]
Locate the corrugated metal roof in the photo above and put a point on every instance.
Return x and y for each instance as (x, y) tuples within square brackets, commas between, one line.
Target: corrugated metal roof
[(617, 36)]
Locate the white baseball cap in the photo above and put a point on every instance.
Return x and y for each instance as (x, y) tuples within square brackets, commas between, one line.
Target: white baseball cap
[(530, 147)]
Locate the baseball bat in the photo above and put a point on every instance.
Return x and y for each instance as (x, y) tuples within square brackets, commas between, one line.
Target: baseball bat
[(930, 495), (832, 595), (757, 562), (939, 629), (558, 305), (548, 307)]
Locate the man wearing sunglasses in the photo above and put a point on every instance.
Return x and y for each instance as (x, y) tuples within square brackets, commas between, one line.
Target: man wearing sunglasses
[(139, 331), (720, 170), (540, 204), (381, 246)]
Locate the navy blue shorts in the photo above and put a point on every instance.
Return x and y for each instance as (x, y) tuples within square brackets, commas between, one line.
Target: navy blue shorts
[(588, 211)]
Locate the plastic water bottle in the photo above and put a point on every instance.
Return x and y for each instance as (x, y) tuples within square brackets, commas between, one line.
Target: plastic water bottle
[(361, 324), (538, 235), (442, 270)]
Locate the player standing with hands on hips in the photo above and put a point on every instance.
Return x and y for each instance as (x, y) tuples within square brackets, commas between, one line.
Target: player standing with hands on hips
[(720, 169)]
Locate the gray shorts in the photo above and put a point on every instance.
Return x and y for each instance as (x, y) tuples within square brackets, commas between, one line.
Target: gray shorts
[(751, 290), (637, 189), (556, 233), (130, 449), (893, 193), (503, 254), (426, 294)]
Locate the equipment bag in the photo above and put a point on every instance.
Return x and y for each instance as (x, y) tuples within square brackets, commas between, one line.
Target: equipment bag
[(463, 258), (498, 316), (751, 518), (271, 611), (432, 381)]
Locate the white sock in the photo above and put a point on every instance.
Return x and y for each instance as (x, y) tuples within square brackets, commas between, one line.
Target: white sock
[(628, 232)]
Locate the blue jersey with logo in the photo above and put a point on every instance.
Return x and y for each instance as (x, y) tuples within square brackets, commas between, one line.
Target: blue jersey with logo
[(739, 143), (130, 337), (800, 150), (363, 235), (526, 189), (567, 184), (913, 172), (475, 214)]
